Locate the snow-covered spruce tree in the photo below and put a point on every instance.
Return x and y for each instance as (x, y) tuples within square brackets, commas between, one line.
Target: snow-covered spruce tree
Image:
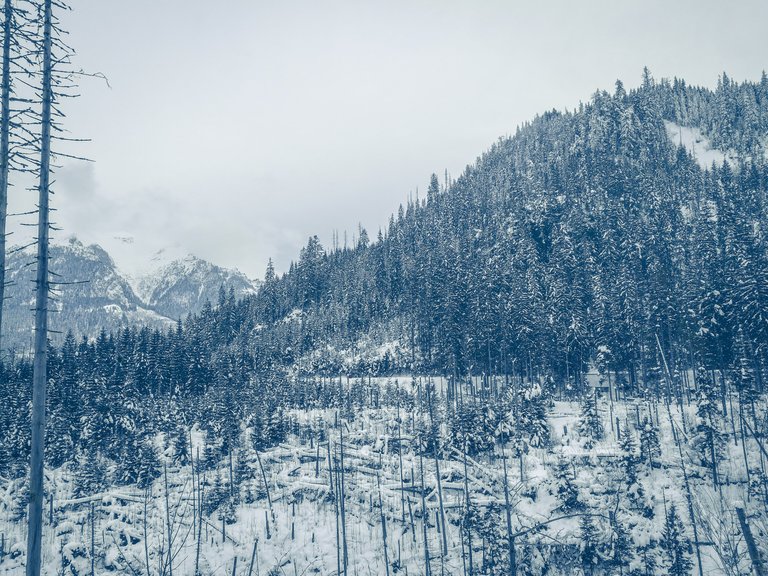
[(471, 519), (217, 494), (604, 360), (90, 473), (139, 463), (65, 403), (17, 509), (211, 451), (709, 440), (628, 463), (532, 425), (181, 454), (590, 426), (589, 555), (493, 539), (60, 446), (148, 469), (228, 510), (243, 470), (564, 488), (256, 422), (14, 425), (745, 374), (676, 560), (472, 428), (275, 430), (533, 558), (622, 546), (650, 447)]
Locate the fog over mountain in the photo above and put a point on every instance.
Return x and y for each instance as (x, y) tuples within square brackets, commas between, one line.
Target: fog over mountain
[(94, 294)]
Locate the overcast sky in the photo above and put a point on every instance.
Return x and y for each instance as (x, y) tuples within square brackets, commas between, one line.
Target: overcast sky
[(235, 129)]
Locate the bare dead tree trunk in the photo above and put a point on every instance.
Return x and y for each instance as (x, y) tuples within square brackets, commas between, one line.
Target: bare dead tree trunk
[(400, 456), (40, 365), (338, 523), (168, 520), (424, 520), (93, 540), (467, 528), (266, 488), (754, 553), (342, 498), (317, 457), (231, 475), (5, 129), (194, 489), (253, 556), (435, 442), (510, 536), (383, 525), (713, 456), (146, 542), (689, 500), (200, 523)]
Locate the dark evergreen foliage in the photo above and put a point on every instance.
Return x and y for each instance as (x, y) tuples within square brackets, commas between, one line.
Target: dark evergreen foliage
[(591, 426), (650, 447), (587, 238), (565, 490), (676, 546)]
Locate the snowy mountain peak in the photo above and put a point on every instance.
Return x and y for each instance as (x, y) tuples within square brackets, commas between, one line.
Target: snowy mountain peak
[(103, 296), (185, 284)]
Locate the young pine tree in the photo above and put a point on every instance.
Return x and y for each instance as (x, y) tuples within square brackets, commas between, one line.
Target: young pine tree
[(622, 550), (589, 554), (650, 447), (147, 464), (90, 475), (489, 531), (565, 489), (675, 545), (628, 462), (591, 426), (531, 422), (211, 452), (709, 440), (243, 469), (181, 447)]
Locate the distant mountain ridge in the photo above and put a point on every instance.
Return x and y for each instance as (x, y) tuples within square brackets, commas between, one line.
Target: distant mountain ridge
[(183, 286), (93, 293)]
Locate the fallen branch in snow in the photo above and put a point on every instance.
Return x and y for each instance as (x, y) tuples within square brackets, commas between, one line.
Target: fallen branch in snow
[(227, 536), (266, 487), (552, 520), (97, 497), (123, 556)]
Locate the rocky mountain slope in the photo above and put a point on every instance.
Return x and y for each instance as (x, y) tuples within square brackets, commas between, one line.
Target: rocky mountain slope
[(91, 292), (183, 286)]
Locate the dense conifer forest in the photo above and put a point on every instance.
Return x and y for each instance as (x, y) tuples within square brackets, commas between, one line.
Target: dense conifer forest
[(588, 260)]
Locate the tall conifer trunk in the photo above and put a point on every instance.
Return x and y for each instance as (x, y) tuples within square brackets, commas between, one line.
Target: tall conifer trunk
[(5, 128), (40, 367)]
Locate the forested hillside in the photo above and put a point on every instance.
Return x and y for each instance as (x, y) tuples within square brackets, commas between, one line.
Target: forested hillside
[(588, 238), (588, 250), (586, 231)]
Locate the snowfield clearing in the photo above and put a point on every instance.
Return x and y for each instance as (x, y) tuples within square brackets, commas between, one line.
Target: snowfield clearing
[(361, 487)]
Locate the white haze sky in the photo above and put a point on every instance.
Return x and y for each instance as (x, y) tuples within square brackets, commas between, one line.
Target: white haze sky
[(235, 129)]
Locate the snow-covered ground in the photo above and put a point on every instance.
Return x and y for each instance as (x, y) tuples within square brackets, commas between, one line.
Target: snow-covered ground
[(292, 524), (697, 144)]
